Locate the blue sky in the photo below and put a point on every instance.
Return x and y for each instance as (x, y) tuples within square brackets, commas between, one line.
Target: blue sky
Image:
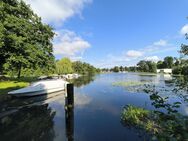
[(115, 32)]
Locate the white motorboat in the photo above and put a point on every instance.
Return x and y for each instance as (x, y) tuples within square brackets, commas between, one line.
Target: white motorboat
[(41, 87)]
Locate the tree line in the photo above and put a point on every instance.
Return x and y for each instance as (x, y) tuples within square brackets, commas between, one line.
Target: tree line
[(179, 66), (65, 66)]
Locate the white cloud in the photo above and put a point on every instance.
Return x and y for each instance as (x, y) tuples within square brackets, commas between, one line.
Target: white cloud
[(57, 11), (160, 43), (160, 46), (134, 53), (131, 57), (152, 58), (184, 29), (68, 44)]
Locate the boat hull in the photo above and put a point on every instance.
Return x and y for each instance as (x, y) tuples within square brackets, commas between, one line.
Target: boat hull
[(40, 88), (37, 93)]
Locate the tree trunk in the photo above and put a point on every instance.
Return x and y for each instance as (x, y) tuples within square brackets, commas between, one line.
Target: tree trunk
[(19, 70)]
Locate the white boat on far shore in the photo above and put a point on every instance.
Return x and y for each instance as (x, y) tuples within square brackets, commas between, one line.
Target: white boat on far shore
[(41, 87)]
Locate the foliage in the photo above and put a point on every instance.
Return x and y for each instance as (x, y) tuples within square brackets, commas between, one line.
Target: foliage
[(126, 68), (147, 66), (168, 62), (181, 85), (177, 70), (185, 70), (181, 68), (140, 118), (121, 68), (115, 69), (84, 68), (64, 66), (25, 42), (133, 68), (134, 115), (160, 65), (105, 70), (166, 125), (182, 64), (184, 48)]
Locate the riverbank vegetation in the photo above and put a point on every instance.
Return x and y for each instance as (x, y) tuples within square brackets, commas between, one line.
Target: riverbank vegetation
[(65, 66), (7, 86), (163, 123), (179, 66), (10, 83)]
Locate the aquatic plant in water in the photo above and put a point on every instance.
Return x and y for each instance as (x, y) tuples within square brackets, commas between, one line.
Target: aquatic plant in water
[(128, 83), (132, 86), (166, 125)]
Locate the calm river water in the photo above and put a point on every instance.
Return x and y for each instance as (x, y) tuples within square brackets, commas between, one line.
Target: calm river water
[(95, 116)]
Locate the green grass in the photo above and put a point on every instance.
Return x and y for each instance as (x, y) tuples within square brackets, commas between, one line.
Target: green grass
[(140, 118), (134, 115), (128, 83), (6, 86)]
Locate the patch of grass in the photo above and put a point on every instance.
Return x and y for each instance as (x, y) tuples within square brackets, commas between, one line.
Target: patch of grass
[(6, 86), (128, 83), (141, 118), (134, 115)]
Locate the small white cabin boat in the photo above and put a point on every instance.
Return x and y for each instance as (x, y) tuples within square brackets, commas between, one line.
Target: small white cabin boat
[(41, 87)]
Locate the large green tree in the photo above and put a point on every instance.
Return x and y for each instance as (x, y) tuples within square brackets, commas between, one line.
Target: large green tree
[(160, 65), (115, 69), (25, 42), (84, 68), (64, 66), (168, 62), (147, 66), (143, 66)]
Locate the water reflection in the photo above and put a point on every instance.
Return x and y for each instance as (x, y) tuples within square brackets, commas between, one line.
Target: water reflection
[(69, 115), (83, 80), (28, 124), (36, 121), (82, 100)]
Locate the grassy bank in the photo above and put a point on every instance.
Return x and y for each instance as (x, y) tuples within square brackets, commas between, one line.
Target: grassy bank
[(7, 83), (7, 86)]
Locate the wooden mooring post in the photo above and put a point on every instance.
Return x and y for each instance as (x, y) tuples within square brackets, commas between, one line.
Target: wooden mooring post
[(69, 112), (70, 95)]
